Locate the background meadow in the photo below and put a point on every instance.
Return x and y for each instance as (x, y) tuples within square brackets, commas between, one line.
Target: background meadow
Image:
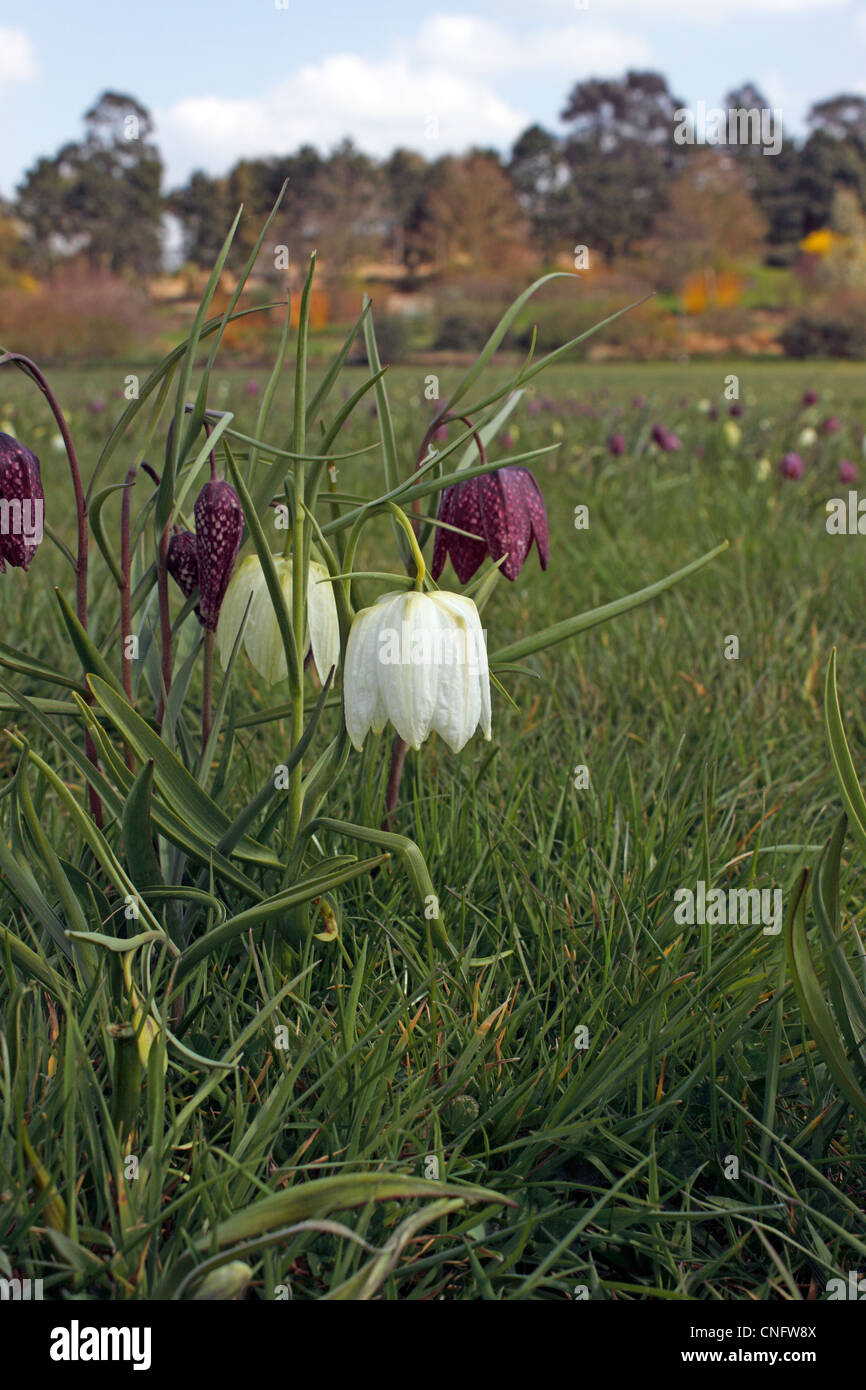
[(613, 1155)]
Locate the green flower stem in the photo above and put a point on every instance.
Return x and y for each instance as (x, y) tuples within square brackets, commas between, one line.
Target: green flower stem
[(207, 688), (402, 519), (29, 367), (300, 547), (164, 620)]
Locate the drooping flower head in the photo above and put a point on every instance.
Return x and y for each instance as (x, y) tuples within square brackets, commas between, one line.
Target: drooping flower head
[(792, 466), (219, 524), (22, 504), (419, 662), (262, 639), (617, 443), (182, 561), (847, 471), (666, 439), (503, 512)]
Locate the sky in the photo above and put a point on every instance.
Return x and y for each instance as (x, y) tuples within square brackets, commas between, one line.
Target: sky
[(228, 78)]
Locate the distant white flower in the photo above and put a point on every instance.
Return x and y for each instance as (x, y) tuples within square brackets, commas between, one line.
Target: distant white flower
[(418, 661), (807, 437), (262, 640)]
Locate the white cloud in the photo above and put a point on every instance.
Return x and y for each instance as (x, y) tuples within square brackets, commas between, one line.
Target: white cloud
[(470, 44), (446, 72), (17, 57), (708, 12), (379, 104)]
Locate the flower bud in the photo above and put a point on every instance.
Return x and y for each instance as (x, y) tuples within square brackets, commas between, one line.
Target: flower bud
[(219, 524), (182, 561), (224, 1284), (22, 504)]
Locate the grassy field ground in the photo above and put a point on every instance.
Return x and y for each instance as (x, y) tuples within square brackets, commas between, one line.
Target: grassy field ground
[(644, 1093)]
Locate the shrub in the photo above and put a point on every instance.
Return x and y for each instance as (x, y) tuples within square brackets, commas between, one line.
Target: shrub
[(76, 315), (827, 331), (462, 332)]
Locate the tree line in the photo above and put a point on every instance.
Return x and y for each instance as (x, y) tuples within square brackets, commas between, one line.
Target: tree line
[(607, 181)]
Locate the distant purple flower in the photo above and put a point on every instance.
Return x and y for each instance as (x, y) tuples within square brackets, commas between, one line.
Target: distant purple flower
[(736, 409), (507, 440), (440, 432), (617, 443), (666, 439), (503, 512), (847, 471), (548, 403), (639, 402), (534, 407), (810, 398), (219, 524), (792, 466), (252, 388), (24, 511), (832, 425), (96, 406), (713, 412)]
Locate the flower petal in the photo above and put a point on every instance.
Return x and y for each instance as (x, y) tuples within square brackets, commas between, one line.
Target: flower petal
[(461, 692), (322, 622), (219, 525), (408, 685), (244, 583), (506, 519), (467, 554), (262, 637), (534, 499), (440, 544), (361, 699)]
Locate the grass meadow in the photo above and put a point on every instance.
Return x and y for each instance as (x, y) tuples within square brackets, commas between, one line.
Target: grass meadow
[(645, 1099)]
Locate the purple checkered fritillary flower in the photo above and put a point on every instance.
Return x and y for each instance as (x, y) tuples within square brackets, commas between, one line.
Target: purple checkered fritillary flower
[(22, 504), (504, 513)]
